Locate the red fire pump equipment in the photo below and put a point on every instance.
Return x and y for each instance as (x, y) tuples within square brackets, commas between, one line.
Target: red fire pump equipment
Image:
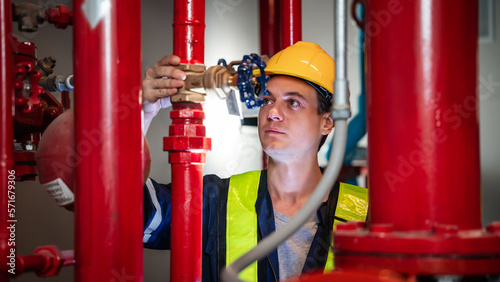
[(35, 109), (424, 173), (24, 79)]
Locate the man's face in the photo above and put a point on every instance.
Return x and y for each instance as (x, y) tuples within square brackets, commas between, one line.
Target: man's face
[(289, 123)]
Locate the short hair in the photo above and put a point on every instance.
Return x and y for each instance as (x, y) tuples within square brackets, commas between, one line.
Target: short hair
[(324, 106)]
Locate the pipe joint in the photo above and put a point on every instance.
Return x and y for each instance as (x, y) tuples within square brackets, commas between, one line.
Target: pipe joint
[(28, 16), (61, 16), (57, 83), (341, 107), (54, 260), (341, 113)]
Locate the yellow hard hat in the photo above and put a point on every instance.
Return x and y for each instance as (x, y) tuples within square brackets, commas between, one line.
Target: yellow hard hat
[(305, 60)]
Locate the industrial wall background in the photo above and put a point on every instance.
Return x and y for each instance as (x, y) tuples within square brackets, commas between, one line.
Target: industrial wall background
[(232, 29)]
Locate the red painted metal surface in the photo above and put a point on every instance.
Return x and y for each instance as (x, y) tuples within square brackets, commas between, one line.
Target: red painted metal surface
[(6, 130), (189, 31), (291, 22), (24, 49), (24, 69), (187, 146), (25, 165), (46, 261), (65, 100), (270, 36), (109, 205), (358, 276), (60, 16), (424, 145), (270, 40)]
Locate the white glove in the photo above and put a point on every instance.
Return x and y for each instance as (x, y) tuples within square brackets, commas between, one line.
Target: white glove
[(150, 110)]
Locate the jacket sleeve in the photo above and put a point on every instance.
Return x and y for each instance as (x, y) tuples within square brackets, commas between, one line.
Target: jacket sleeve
[(157, 215)]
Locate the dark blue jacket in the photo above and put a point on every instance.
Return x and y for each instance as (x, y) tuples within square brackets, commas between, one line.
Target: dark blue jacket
[(214, 226)]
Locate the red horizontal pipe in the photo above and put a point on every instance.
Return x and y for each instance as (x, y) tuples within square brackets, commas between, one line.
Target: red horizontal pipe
[(108, 207), (270, 42), (189, 31), (6, 128), (31, 263), (291, 22), (46, 261), (69, 258), (423, 114)]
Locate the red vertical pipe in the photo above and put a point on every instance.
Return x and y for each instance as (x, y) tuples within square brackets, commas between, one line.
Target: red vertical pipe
[(270, 42), (423, 114), (189, 31), (270, 36), (291, 22), (187, 144), (6, 128), (424, 145), (108, 208)]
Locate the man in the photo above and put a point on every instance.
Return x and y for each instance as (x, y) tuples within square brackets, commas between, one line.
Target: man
[(293, 123)]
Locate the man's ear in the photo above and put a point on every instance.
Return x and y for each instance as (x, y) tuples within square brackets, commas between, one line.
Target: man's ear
[(327, 124)]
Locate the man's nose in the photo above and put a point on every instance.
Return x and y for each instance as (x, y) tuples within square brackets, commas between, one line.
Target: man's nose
[(275, 113)]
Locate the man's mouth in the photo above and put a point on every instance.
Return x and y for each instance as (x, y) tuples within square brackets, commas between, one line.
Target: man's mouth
[(275, 130)]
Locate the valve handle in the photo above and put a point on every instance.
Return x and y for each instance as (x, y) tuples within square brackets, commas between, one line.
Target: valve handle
[(222, 62), (251, 86), (25, 70)]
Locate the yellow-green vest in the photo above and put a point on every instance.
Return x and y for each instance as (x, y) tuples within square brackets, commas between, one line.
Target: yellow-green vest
[(241, 223)]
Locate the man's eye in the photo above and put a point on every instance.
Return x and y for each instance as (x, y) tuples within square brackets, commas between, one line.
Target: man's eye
[(267, 101), (293, 103)]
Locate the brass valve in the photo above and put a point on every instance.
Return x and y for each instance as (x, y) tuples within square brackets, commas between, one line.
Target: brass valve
[(217, 80)]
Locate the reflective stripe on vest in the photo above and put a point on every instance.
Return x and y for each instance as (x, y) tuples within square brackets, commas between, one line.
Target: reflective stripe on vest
[(352, 205), (241, 223)]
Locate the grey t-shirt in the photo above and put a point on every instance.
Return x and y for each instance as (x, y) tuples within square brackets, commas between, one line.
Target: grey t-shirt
[(292, 253)]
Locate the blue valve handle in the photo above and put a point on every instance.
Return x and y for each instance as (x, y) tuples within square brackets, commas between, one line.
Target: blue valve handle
[(251, 86)]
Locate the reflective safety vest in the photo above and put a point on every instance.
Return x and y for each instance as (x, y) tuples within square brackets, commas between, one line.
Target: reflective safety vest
[(241, 223)]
